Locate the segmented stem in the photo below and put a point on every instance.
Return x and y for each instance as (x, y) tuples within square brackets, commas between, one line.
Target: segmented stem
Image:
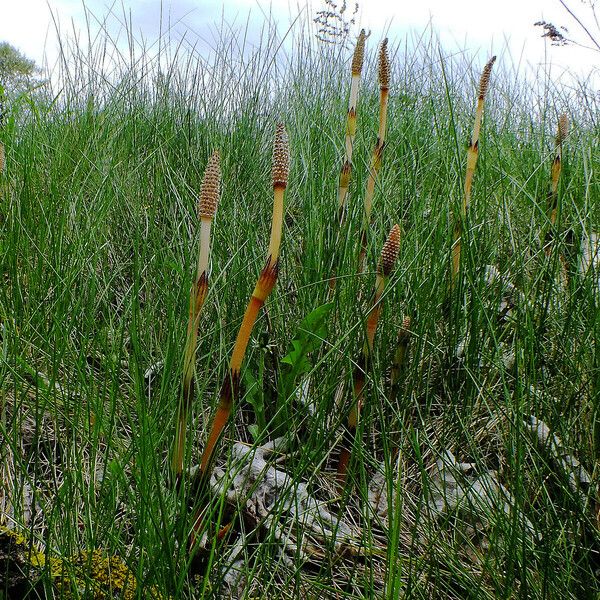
[(561, 134), (264, 286), (375, 165), (389, 255), (400, 356), (472, 156), (346, 169), (207, 207)]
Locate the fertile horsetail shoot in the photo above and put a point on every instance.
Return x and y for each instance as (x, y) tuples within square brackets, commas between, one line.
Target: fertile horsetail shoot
[(207, 207), (346, 170), (389, 254), (264, 286), (375, 165), (472, 156)]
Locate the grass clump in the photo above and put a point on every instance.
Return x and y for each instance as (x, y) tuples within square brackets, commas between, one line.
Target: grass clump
[(98, 213)]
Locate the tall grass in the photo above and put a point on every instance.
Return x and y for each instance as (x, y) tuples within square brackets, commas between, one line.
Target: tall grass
[(97, 222)]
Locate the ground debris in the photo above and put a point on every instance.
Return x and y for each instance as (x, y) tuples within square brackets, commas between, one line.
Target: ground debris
[(273, 499), (455, 486), (377, 493), (277, 505), (579, 479)]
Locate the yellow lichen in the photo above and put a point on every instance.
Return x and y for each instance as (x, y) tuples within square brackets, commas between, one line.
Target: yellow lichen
[(105, 576), (94, 573)]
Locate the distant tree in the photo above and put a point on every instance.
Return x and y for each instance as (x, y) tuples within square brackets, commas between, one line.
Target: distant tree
[(17, 74)]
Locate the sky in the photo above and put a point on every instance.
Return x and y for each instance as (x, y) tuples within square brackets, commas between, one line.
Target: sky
[(480, 28)]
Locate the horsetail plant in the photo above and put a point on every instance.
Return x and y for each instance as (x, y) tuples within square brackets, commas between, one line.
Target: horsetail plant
[(561, 135), (375, 165), (389, 254), (207, 208), (346, 170), (264, 286), (472, 156)]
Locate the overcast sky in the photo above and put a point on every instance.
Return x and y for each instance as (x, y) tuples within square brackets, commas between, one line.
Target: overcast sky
[(478, 27)]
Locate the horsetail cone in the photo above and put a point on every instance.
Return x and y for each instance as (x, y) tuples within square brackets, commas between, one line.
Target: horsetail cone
[(563, 129), (384, 66), (484, 82), (211, 187), (359, 53), (389, 255), (281, 157), (389, 252)]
